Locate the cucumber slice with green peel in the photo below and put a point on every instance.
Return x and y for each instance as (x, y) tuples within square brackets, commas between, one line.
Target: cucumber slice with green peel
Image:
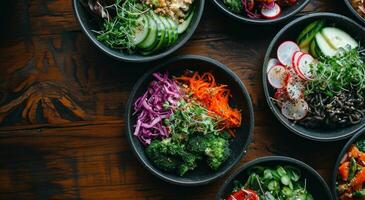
[(174, 30), (142, 30), (325, 48), (338, 38), (191, 11), (312, 49), (181, 28), (151, 39), (169, 32), (161, 31), (318, 51), (309, 36), (306, 30)]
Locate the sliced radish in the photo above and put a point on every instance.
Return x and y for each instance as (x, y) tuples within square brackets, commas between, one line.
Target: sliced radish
[(299, 74), (295, 110), (271, 13), (286, 51), (272, 62), (276, 76), (295, 88), (295, 57), (304, 66)]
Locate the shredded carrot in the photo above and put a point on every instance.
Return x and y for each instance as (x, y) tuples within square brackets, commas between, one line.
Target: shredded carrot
[(213, 96)]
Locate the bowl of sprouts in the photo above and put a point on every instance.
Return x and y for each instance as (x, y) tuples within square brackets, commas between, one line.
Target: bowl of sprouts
[(138, 30), (314, 74), (189, 120)]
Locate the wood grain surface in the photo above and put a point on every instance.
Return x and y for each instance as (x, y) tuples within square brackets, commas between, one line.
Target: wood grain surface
[(62, 103)]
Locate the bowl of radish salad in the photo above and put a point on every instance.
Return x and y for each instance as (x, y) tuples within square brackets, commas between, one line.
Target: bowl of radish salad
[(189, 120), (313, 76), (138, 30), (261, 11)]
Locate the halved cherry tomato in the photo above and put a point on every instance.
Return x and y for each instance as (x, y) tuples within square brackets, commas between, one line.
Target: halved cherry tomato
[(244, 195)]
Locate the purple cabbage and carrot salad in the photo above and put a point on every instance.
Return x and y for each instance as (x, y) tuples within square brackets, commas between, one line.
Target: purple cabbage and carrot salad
[(184, 120)]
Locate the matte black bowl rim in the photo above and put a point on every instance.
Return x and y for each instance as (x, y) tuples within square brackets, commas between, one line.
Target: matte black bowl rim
[(339, 158), (265, 82), (126, 58), (248, 20), (354, 12), (129, 126), (260, 160)]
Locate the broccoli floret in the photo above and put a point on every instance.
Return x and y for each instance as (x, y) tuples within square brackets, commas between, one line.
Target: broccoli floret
[(215, 148), (234, 5), (218, 151), (170, 156), (198, 144)]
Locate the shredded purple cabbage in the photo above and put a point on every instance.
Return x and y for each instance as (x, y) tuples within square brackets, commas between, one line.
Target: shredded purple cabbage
[(151, 111)]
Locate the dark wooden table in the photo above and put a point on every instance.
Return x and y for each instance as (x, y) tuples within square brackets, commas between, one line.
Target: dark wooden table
[(62, 103)]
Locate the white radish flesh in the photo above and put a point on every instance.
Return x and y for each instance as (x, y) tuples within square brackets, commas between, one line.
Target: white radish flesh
[(305, 64), (286, 51), (295, 88), (276, 76), (295, 110), (271, 13)]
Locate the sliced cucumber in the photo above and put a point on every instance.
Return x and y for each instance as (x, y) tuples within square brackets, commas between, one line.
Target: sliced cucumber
[(325, 48), (142, 30), (181, 28), (337, 38), (151, 39), (309, 36), (169, 34), (174, 30), (161, 31), (318, 51)]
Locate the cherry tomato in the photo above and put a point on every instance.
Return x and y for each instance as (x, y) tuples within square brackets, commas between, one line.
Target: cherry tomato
[(244, 195)]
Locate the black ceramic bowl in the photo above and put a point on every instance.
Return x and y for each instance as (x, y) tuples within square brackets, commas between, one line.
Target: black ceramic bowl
[(290, 32), (353, 11), (286, 13), (88, 23), (241, 99), (315, 183), (340, 156)]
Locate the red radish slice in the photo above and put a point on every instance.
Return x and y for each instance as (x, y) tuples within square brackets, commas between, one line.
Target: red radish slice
[(295, 89), (295, 57), (286, 51), (304, 66), (272, 62), (298, 73), (295, 110), (271, 13), (276, 76)]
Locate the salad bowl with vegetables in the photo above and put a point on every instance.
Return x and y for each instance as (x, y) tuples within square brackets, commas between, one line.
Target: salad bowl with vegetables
[(314, 74), (349, 173), (274, 178), (189, 120), (138, 30), (261, 11)]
